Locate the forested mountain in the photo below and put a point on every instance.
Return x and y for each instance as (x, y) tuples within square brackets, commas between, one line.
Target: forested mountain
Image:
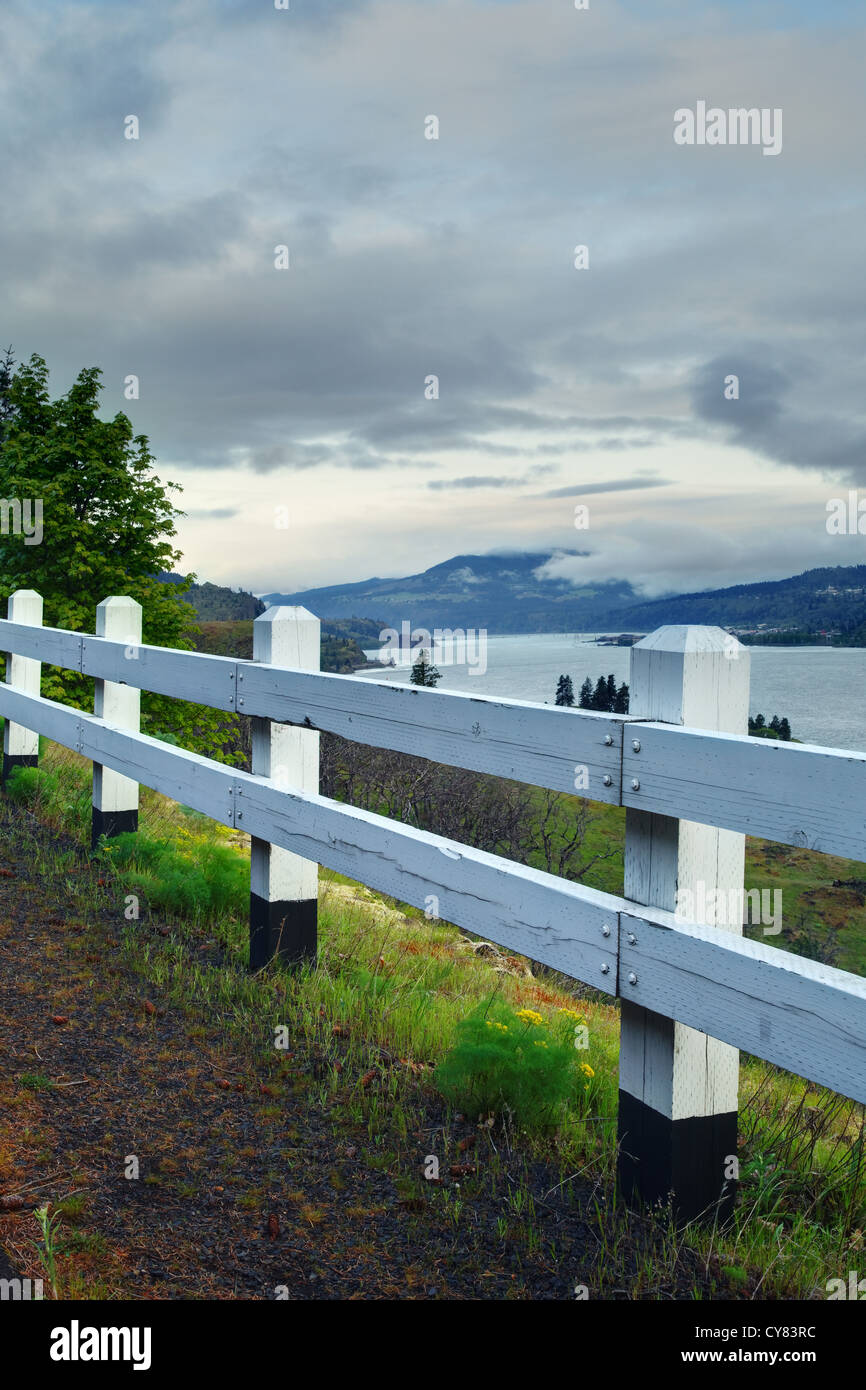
[(215, 603), (503, 594)]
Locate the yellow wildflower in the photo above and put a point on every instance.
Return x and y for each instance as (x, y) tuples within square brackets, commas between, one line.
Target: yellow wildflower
[(530, 1016), (586, 1069)]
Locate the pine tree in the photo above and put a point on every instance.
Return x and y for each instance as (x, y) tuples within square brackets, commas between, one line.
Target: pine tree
[(584, 699), (564, 691), (774, 723), (759, 722), (611, 693), (424, 672), (784, 730), (599, 699), (620, 704)]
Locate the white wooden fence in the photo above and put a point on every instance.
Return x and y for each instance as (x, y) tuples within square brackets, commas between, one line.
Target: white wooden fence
[(694, 784)]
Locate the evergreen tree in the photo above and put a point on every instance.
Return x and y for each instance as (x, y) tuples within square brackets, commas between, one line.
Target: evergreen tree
[(599, 699), (784, 730), (424, 672), (774, 723), (564, 691), (620, 704), (584, 699), (611, 693), (759, 722)]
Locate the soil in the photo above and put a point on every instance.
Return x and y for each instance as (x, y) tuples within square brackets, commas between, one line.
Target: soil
[(248, 1186)]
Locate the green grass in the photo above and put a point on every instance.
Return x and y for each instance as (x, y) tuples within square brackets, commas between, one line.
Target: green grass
[(386, 978), (35, 1081)]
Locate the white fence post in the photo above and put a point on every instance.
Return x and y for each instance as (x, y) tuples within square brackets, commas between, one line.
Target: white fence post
[(20, 745), (283, 886), (678, 1087), (115, 798)]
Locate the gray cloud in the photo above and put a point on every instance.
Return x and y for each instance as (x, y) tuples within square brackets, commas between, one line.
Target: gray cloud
[(615, 485), (453, 257), (778, 412), (212, 513), (446, 484)]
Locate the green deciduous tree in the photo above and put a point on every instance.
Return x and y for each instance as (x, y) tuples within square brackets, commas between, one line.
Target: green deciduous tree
[(107, 528)]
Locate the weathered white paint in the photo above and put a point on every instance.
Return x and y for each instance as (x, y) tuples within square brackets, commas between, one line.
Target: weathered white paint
[(55, 646), (768, 1000), (799, 1014), (795, 794), (697, 674), (23, 672), (565, 750), (289, 636), (195, 676), (530, 912), (118, 618), (185, 777)]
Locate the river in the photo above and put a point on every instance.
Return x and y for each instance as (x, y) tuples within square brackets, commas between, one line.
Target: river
[(821, 690)]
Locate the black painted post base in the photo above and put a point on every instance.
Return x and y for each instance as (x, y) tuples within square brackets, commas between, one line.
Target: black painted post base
[(284, 930), (13, 760), (110, 823), (687, 1158)]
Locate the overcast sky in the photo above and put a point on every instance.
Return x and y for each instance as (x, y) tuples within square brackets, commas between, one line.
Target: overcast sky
[(264, 389)]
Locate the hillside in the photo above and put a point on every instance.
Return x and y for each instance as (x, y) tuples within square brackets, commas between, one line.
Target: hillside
[(504, 594), (217, 602), (820, 598), (500, 592)]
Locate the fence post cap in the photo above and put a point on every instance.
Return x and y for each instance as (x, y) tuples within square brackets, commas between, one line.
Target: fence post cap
[(25, 606), (286, 612), (688, 637), (119, 601)]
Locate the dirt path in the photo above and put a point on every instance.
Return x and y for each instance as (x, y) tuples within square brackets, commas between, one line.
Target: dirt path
[(246, 1187)]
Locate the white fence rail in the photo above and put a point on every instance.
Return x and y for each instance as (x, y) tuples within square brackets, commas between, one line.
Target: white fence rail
[(795, 794), (675, 1125)]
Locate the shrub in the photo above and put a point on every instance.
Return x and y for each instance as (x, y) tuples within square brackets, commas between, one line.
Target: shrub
[(518, 1064), (198, 878)]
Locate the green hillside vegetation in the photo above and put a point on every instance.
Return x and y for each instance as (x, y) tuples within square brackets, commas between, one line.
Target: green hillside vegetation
[(508, 593), (218, 603)]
